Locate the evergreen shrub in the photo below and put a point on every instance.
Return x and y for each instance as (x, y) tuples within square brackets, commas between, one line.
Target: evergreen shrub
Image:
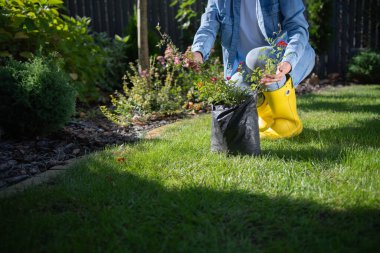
[(36, 96), (365, 67)]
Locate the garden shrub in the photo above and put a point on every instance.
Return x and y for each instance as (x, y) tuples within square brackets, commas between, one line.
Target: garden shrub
[(146, 93), (167, 87), (28, 26), (212, 89), (365, 67), (35, 96)]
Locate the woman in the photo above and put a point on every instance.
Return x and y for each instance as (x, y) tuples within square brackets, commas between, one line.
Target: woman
[(246, 26)]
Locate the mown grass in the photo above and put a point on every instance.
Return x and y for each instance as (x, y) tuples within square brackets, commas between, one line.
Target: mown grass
[(318, 192)]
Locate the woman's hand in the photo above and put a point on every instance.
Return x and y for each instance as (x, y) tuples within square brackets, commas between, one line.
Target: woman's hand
[(198, 57), (282, 69)]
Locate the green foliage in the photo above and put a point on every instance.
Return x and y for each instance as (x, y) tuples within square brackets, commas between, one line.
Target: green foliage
[(212, 89), (188, 20), (28, 26), (160, 90), (319, 16), (365, 67), (271, 60), (116, 59), (35, 96), (146, 93), (206, 84), (185, 13)]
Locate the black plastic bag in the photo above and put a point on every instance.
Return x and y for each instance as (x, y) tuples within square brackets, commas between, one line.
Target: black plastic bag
[(235, 130)]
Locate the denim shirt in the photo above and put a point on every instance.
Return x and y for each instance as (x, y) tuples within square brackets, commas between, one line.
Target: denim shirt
[(278, 19)]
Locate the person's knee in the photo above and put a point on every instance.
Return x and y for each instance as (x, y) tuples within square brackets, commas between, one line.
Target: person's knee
[(257, 57), (304, 68)]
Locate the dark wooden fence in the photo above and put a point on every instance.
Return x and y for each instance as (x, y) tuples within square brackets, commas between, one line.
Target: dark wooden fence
[(356, 25), (112, 16)]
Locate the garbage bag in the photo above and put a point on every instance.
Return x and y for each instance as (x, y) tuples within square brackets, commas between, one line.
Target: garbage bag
[(235, 130)]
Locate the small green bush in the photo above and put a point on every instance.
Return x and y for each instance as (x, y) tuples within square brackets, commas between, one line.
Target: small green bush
[(365, 67), (35, 96)]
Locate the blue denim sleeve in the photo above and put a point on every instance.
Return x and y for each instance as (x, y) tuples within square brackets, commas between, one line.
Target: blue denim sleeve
[(205, 36), (295, 24)]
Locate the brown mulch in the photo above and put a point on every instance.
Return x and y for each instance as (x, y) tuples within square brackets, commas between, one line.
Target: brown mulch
[(25, 157)]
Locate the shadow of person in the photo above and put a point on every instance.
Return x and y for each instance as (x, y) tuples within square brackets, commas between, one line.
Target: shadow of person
[(119, 210), (346, 102), (332, 142)]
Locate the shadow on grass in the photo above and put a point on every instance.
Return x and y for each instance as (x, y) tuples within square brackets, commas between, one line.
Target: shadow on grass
[(363, 135), (105, 210), (332, 103), (334, 141), (339, 107)]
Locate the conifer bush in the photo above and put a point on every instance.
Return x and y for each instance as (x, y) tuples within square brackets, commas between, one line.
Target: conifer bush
[(36, 96)]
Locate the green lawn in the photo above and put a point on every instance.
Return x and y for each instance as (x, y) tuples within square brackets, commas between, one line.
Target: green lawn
[(318, 192)]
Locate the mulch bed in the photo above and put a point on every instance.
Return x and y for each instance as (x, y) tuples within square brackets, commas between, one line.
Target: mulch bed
[(25, 157)]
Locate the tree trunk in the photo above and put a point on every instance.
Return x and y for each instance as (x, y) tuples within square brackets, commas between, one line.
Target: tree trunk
[(142, 33)]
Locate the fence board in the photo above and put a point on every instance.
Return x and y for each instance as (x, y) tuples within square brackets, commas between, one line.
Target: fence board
[(377, 33), (356, 25), (96, 18), (340, 38), (126, 12), (71, 6), (374, 22), (347, 39), (365, 24), (119, 24), (80, 10)]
